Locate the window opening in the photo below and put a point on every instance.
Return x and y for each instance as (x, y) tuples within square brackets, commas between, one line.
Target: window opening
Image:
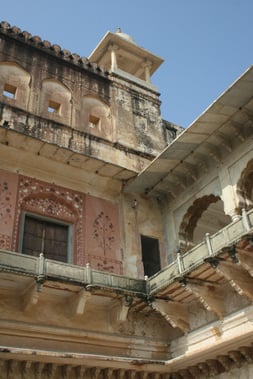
[(9, 91), (53, 107), (150, 255), (47, 237), (93, 121)]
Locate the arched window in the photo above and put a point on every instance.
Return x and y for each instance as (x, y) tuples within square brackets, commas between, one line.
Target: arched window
[(49, 219), (55, 101), (245, 187), (14, 84), (95, 116)]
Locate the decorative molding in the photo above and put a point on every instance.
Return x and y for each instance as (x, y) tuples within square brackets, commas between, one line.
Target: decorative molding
[(5, 242), (54, 201)]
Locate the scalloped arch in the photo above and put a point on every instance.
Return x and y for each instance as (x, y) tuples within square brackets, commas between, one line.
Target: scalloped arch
[(189, 225), (245, 187)]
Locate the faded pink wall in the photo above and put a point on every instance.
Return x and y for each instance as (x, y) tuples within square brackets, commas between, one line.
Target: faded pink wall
[(53, 201), (8, 194), (96, 235), (102, 245)]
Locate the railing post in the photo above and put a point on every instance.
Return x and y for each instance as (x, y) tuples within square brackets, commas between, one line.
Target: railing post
[(41, 269), (179, 262), (245, 220), (208, 244), (147, 285), (88, 273)]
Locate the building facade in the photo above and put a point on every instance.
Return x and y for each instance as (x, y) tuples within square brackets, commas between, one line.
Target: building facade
[(125, 241)]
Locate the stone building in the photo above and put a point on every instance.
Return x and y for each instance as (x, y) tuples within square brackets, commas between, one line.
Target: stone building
[(125, 242)]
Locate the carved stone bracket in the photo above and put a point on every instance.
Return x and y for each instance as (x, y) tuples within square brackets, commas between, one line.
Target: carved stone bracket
[(80, 372), (95, 372), (108, 373), (237, 357), (174, 312), (52, 370), (245, 258), (19, 369), (195, 372), (238, 277), (211, 295), (247, 353), (225, 361), (77, 303), (131, 374), (120, 374), (119, 311), (31, 295), (39, 367), (143, 375), (186, 374)]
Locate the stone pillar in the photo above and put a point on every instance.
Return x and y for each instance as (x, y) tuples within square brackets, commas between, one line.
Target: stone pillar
[(147, 66), (228, 194), (113, 49)]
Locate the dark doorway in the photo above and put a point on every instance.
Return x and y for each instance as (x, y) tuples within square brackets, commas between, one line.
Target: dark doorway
[(47, 237), (150, 255)]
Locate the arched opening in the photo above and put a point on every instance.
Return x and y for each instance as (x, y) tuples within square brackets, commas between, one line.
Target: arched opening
[(206, 215), (49, 209), (211, 221), (245, 187), (55, 101), (14, 84), (95, 116)]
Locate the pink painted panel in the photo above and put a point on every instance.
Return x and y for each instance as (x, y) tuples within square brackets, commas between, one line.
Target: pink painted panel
[(102, 245), (8, 194), (50, 200)]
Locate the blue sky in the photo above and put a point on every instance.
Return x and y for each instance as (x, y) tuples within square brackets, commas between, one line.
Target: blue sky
[(206, 44)]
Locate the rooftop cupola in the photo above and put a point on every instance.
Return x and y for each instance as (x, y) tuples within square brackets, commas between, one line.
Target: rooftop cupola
[(120, 54)]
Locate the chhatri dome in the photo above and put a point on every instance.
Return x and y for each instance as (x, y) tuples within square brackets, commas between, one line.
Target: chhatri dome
[(125, 36), (119, 53)]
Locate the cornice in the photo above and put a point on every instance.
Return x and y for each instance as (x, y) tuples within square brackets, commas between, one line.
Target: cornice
[(52, 49)]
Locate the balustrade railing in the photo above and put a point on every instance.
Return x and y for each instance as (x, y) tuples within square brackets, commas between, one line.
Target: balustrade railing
[(42, 269)]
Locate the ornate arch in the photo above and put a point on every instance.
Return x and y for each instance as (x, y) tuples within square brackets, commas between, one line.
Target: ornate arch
[(191, 218), (55, 100), (96, 116), (14, 79), (51, 206), (245, 187), (55, 202)]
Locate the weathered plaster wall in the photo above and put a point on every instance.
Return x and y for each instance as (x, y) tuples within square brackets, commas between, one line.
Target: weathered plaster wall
[(140, 216), (137, 118), (124, 114)]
